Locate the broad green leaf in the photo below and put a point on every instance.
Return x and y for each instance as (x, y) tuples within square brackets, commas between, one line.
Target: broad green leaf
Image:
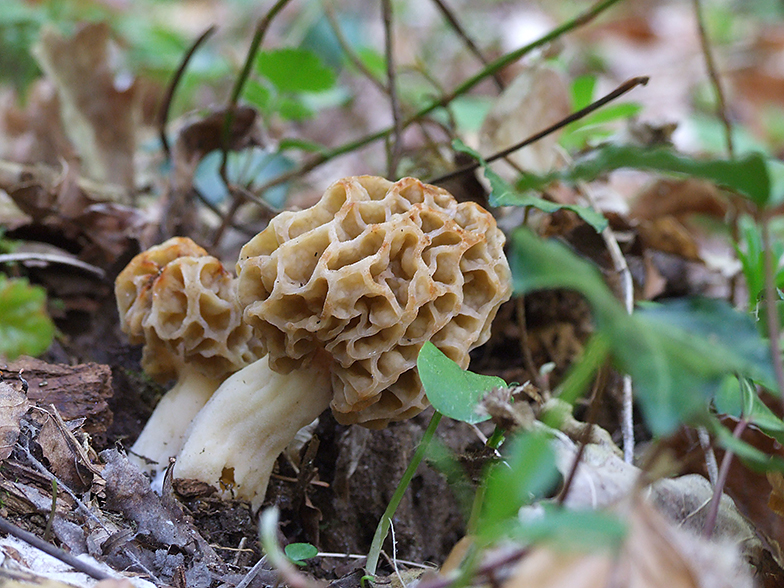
[(451, 390), (25, 328), (526, 473), (748, 175), (504, 194), (739, 398), (538, 264), (754, 458), (679, 353), (298, 552), (714, 329), (295, 70)]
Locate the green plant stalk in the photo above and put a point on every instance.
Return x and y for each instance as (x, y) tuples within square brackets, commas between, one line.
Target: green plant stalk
[(494, 442), (491, 69), (383, 525), (770, 308), (239, 84)]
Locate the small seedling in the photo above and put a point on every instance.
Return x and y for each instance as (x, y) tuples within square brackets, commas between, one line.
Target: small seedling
[(299, 552)]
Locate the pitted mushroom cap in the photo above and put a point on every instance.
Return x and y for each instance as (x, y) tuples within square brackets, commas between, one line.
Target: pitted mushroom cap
[(182, 303), (369, 274)]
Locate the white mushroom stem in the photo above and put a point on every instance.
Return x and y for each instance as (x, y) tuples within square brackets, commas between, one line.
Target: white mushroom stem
[(235, 439), (164, 433)]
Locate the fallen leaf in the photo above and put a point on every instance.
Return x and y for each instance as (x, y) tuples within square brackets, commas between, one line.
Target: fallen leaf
[(655, 553), (13, 404), (80, 68), (537, 98)]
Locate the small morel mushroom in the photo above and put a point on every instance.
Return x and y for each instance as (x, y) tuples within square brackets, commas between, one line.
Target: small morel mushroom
[(342, 296), (181, 303)]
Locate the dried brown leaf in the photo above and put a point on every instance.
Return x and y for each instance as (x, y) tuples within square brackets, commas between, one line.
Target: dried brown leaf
[(655, 554), (13, 404), (99, 117), (537, 98)]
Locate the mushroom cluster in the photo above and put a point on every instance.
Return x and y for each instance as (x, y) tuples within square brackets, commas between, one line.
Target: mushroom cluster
[(181, 303), (342, 296)]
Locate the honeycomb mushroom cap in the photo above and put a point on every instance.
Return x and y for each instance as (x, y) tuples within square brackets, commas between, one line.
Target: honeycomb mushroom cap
[(369, 274), (181, 302)]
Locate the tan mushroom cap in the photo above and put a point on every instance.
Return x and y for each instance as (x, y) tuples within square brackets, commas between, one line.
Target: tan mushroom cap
[(182, 303), (369, 274)]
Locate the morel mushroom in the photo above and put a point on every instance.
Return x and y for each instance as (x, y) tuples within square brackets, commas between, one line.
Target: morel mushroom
[(342, 296), (181, 303)]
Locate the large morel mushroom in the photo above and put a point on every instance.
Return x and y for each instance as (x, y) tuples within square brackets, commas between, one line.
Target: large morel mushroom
[(342, 296)]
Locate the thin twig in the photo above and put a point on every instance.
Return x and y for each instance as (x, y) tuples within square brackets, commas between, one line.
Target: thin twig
[(723, 114), (718, 488), (771, 297), (254, 571), (600, 384), (389, 49), (451, 18), (618, 92), (710, 456), (621, 267), (56, 552), (713, 73), (163, 112), (528, 359), (495, 66), (52, 478), (329, 12), (487, 568), (25, 256)]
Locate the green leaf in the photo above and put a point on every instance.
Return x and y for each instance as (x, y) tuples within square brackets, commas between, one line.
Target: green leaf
[(714, 329), (678, 353), (538, 264), (504, 194), (575, 529), (25, 328), (748, 175), (582, 91), (302, 145), (754, 458), (298, 552), (527, 472), (295, 70), (738, 398), (451, 390)]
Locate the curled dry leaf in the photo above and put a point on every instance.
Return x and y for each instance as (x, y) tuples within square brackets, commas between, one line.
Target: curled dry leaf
[(89, 97), (655, 553), (536, 99), (13, 404), (67, 458)]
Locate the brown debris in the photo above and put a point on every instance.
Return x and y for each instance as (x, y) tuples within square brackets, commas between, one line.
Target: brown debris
[(80, 391), (99, 117)]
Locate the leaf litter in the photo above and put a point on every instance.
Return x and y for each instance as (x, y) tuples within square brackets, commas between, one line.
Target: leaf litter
[(71, 183)]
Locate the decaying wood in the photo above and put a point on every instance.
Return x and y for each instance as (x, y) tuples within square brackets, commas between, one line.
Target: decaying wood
[(75, 391)]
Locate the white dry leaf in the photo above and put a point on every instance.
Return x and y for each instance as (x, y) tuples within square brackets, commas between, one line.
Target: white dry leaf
[(655, 554), (603, 480), (13, 404), (536, 99)]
